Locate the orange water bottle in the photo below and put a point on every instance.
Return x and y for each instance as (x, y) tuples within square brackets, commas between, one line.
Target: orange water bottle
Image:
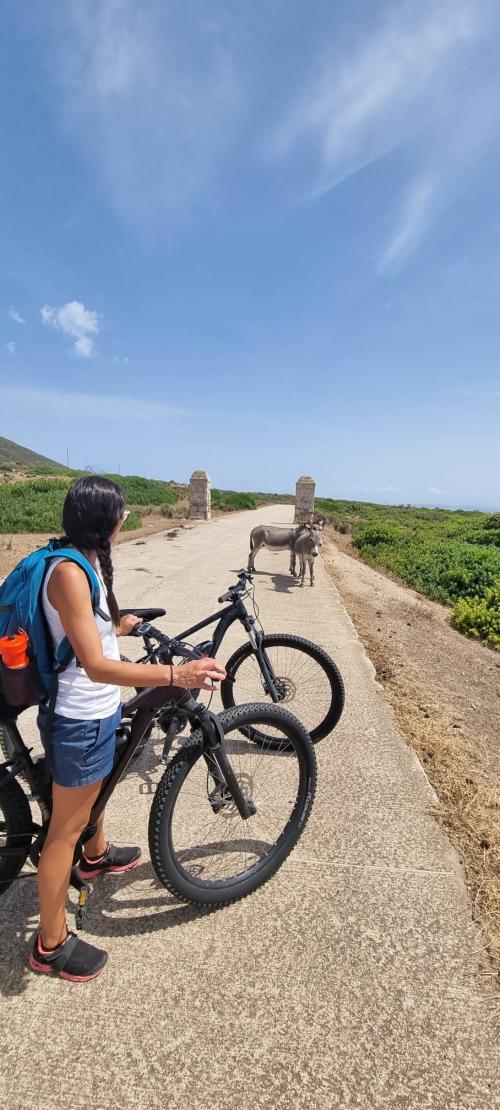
[(14, 650)]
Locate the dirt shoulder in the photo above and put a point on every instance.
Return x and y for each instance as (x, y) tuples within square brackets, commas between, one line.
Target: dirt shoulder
[(445, 691), (14, 546)]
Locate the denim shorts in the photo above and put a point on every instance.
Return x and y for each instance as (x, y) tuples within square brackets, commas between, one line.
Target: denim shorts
[(79, 752)]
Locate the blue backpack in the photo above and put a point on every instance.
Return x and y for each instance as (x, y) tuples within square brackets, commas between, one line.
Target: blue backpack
[(21, 608)]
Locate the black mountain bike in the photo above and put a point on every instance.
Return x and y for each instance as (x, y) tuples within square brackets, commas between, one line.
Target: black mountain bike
[(226, 812), (285, 669)]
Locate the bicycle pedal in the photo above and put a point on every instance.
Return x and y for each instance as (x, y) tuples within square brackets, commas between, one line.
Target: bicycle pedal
[(81, 908)]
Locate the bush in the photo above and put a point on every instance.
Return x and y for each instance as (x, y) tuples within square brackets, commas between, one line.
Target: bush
[(376, 534), (34, 506), (146, 491), (228, 500), (479, 617), (133, 521)]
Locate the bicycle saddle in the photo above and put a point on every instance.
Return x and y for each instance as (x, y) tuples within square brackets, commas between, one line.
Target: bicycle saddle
[(144, 614)]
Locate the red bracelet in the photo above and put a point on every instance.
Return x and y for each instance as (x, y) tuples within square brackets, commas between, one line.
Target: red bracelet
[(171, 675)]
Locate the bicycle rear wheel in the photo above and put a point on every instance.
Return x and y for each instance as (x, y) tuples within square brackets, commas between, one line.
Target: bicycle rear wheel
[(15, 830), (201, 849), (6, 745)]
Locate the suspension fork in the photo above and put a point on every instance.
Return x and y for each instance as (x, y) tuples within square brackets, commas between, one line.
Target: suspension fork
[(256, 637), (218, 764)]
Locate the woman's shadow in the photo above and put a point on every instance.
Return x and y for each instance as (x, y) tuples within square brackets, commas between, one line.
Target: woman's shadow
[(149, 908)]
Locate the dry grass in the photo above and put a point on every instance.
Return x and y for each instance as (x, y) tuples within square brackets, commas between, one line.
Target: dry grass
[(444, 692), (469, 808)]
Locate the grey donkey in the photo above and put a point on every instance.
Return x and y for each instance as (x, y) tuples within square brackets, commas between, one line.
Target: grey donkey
[(281, 538), (305, 549)]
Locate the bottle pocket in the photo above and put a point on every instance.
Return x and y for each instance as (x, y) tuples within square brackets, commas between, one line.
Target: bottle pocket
[(18, 685)]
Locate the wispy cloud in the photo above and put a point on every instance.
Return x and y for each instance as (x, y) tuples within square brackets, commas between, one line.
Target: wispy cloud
[(11, 347), (149, 99), (15, 315), (81, 323), (92, 406), (406, 85), (417, 211)]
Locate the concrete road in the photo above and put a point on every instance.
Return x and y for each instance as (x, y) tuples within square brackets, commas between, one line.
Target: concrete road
[(350, 980)]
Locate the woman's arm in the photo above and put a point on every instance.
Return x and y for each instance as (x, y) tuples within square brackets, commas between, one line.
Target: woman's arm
[(68, 591)]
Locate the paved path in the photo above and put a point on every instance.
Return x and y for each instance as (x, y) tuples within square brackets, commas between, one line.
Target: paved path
[(348, 981)]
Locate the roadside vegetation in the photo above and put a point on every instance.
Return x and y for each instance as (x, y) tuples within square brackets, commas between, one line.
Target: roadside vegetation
[(35, 505), (229, 501), (32, 500), (450, 556)]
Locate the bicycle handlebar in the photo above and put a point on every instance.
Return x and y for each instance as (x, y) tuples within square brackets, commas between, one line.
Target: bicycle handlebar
[(243, 578), (175, 647)]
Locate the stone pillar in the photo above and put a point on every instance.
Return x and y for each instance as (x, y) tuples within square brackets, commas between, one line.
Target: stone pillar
[(199, 496), (304, 498)]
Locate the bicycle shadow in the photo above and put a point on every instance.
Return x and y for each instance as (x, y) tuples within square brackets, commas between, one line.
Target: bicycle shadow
[(18, 921), (150, 908)]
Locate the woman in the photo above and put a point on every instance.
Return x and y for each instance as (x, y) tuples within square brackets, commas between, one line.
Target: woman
[(82, 737)]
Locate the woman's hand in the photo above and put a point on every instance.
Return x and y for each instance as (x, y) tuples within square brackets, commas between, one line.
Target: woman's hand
[(198, 675), (126, 624)]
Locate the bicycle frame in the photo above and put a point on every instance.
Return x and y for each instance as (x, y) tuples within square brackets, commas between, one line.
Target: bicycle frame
[(236, 611), (144, 707)]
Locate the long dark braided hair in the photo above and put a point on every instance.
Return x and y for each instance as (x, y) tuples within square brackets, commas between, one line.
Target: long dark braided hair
[(91, 511)]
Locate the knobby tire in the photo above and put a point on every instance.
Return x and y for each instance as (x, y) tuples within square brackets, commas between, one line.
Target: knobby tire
[(171, 873)]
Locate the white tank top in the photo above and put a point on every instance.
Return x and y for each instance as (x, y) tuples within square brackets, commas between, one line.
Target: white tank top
[(77, 696)]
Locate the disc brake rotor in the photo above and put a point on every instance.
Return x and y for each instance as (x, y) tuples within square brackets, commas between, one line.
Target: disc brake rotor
[(285, 688), (221, 799)]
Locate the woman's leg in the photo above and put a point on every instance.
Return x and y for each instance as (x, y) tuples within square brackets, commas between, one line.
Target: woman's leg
[(71, 808), (96, 845)]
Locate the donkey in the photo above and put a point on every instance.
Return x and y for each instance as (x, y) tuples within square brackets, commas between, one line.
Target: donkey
[(278, 538), (305, 549)]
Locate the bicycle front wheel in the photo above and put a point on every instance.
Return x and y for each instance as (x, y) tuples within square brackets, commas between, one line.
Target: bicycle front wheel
[(201, 849), (308, 682)]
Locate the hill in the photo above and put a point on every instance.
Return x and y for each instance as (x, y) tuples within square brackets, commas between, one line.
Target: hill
[(15, 457)]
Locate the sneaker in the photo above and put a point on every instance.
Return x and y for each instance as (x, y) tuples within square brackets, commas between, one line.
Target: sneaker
[(74, 959), (114, 860)]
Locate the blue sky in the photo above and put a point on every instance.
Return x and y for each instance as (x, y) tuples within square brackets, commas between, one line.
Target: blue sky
[(262, 239)]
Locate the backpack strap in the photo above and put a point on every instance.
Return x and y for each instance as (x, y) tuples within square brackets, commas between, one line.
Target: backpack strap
[(75, 556)]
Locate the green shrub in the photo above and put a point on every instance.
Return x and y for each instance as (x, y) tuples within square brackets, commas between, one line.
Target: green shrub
[(479, 617), (375, 534), (228, 500), (34, 506), (133, 521), (146, 491)]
